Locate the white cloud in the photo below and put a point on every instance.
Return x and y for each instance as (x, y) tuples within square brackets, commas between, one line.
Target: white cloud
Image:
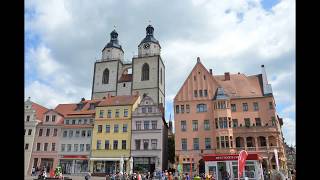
[(289, 130)]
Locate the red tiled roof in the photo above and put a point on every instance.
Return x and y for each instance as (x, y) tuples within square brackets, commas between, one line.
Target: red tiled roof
[(69, 110), (119, 100), (125, 78), (40, 110), (77, 126)]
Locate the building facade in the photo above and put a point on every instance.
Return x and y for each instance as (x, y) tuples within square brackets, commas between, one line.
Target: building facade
[(112, 74), (111, 135), (149, 137), (33, 114), (223, 114), (76, 136), (45, 146)]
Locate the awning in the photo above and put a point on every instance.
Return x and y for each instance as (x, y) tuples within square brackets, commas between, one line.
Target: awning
[(229, 157), (108, 159), (83, 157)]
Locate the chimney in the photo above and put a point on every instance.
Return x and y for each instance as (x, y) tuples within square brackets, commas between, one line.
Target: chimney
[(226, 76), (198, 59), (210, 70)]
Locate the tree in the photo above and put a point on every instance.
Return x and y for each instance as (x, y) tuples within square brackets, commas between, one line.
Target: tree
[(171, 150)]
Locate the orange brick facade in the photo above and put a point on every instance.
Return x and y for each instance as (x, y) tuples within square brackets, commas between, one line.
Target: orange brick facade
[(223, 115)]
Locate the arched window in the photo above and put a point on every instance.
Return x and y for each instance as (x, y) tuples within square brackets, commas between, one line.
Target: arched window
[(105, 77), (145, 72)]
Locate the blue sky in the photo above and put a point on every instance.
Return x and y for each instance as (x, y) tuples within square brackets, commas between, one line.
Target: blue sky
[(64, 38)]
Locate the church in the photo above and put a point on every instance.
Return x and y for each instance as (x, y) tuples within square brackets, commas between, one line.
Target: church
[(112, 75)]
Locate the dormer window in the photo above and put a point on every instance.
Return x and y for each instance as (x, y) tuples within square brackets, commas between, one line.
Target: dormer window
[(79, 106), (47, 118), (92, 106)]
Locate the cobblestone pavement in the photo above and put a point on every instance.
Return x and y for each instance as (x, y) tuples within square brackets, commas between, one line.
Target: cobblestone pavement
[(72, 177)]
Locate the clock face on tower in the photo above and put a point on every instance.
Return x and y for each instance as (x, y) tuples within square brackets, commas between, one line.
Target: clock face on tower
[(146, 45)]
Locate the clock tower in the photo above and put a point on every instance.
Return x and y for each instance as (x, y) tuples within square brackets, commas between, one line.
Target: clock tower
[(148, 69)]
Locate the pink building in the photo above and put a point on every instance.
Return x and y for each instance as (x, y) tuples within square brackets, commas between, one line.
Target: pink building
[(45, 146), (223, 114)]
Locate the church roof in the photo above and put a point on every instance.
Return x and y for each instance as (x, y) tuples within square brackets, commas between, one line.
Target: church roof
[(125, 78)]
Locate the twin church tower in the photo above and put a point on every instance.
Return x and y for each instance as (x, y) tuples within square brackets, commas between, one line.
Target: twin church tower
[(144, 75)]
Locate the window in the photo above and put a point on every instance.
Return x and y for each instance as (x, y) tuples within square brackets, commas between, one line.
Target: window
[(207, 143), (125, 112), (146, 124), (231, 145), (55, 131), (153, 144), (138, 143), (204, 77), (273, 121), (124, 144), (75, 147), (24, 131), (45, 148), (184, 144), (79, 121), (245, 106), (70, 133), (222, 142), (116, 128), (255, 106), (234, 123), (115, 144), (149, 109), (195, 92), (109, 114), (154, 124), (26, 146), (145, 144), (99, 128), (200, 93), (182, 108), (206, 125), (138, 125), (143, 110), (233, 107), (83, 133), (98, 144), (218, 142), (187, 108), (87, 147), (81, 147), (53, 147), (125, 128), (65, 133), (225, 122), (28, 119), (53, 118), (194, 78), (258, 121), (63, 147), (107, 128), (85, 121), (161, 76), (195, 125), (77, 133), (117, 113), (124, 84), (73, 121), (47, 118), (38, 146), (196, 143), (177, 109), (101, 114), (105, 77), (145, 72), (106, 144), (270, 105), (67, 121), (226, 138), (201, 108), (92, 106), (89, 133), (91, 121), (221, 104), (29, 131), (183, 125), (247, 122), (48, 132), (216, 123)]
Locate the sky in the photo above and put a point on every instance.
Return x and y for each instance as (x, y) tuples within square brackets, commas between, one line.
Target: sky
[(63, 39)]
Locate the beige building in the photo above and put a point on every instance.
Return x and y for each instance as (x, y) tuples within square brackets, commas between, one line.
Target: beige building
[(145, 74), (224, 114), (33, 114)]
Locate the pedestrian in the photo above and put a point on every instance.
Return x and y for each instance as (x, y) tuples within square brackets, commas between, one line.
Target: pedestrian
[(87, 176), (187, 176), (225, 175), (33, 171)]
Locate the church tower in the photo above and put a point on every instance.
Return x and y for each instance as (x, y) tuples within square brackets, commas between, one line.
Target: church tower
[(106, 71), (148, 69)]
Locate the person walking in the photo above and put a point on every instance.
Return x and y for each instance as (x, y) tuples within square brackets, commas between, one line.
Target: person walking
[(87, 176)]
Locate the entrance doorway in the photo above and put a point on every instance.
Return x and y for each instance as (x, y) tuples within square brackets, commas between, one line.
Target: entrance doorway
[(221, 168), (47, 163), (201, 166)]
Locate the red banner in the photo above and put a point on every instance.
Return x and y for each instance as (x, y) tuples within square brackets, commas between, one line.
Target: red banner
[(241, 162)]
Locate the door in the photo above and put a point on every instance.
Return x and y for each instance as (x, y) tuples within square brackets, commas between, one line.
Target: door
[(221, 168)]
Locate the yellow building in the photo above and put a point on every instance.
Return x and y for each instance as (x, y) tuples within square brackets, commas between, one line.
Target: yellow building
[(111, 136)]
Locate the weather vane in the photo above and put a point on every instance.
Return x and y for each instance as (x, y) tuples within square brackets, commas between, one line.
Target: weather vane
[(114, 27)]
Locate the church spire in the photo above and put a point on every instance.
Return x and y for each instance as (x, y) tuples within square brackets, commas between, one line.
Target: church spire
[(149, 36), (114, 42)]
